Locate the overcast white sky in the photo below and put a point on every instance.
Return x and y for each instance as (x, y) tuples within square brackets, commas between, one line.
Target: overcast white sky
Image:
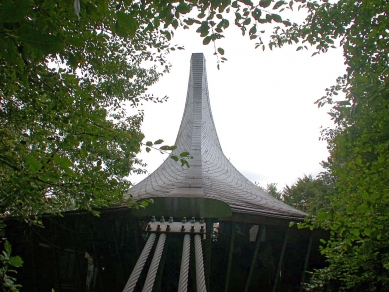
[(262, 104)]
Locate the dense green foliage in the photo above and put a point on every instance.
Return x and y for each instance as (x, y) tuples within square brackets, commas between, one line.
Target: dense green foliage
[(66, 72), (308, 194), (8, 263), (66, 142), (358, 215)]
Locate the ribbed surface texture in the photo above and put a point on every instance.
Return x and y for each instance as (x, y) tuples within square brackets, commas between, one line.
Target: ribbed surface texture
[(131, 283), (183, 282), (149, 283), (210, 175), (200, 278)]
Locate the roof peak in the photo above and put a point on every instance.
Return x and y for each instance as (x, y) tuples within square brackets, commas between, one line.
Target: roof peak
[(210, 175)]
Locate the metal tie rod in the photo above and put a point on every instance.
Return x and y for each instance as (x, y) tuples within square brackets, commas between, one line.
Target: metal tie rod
[(183, 282), (149, 283), (200, 279), (131, 283)]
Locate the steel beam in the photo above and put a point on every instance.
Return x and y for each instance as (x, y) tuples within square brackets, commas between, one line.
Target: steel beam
[(96, 260), (306, 261), (277, 278), (230, 255), (255, 255), (117, 250)]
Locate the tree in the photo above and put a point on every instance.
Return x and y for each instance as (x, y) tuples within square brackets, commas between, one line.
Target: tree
[(308, 194), (66, 141), (66, 72), (357, 251)]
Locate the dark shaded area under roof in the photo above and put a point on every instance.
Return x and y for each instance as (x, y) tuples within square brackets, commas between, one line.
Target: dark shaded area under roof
[(211, 175)]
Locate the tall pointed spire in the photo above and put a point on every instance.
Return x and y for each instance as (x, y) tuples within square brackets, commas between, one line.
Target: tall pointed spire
[(211, 175)]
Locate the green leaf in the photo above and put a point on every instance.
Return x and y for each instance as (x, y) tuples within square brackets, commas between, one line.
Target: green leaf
[(264, 3), (287, 23), (183, 8), (175, 158), (160, 141), (276, 18), (62, 161), (204, 29), (253, 30), (367, 231), (95, 213), (44, 43), (32, 163), (184, 163), (83, 153), (149, 143), (184, 154), (7, 247), (207, 40), (13, 10), (257, 14), (167, 148), (16, 261), (355, 232), (278, 4), (291, 223), (76, 41), (247, 21), (148, 149), (127, 22), (144, 203), (220, 51)]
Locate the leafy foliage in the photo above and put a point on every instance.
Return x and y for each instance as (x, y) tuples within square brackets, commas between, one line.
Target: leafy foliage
[(7, 263), (65, 74), (309, 194), (358, 216), (66, 142)]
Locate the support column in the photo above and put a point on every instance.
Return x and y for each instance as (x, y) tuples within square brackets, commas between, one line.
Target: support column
[(56, 264), (117, 250), (230, 254), (255, 255), (96, 259), (277, 278), (76, 257), (306, 260)]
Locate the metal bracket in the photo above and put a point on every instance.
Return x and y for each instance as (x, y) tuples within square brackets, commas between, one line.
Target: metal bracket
[(184, 227)]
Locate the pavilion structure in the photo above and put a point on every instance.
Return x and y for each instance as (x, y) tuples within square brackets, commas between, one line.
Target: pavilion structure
[(209, 229), (224, 207)]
